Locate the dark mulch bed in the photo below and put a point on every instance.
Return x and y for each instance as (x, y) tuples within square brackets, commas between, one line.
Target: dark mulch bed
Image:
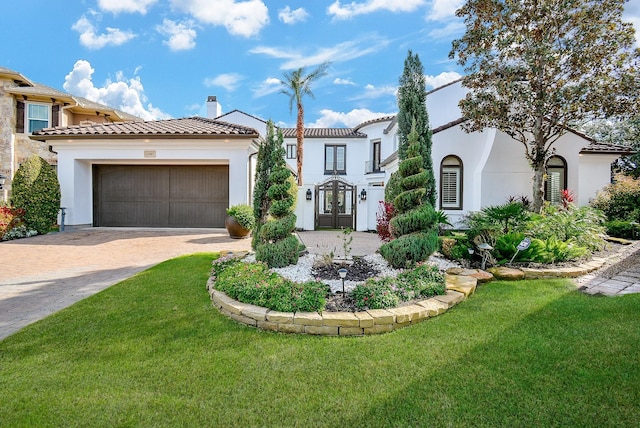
[(359, 270)]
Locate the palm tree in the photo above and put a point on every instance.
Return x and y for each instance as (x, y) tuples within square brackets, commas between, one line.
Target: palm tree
[(296, 85)]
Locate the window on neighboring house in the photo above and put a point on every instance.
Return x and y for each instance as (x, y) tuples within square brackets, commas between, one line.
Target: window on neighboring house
[(37, 117), (335, 159), (556, 179), (291, 151), (451, 183), (32, 117)]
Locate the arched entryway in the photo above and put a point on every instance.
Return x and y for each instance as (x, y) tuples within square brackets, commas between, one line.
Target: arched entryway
[(335, 205)]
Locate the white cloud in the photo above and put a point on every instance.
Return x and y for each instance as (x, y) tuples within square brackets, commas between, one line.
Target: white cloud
[(240, 18), (229, 81), (441, 79), (332, 119), (269, 86), (444, 10), (340, 81), (127, 6), (91, 40), (373, 92), (123, 94), (345, 51), (181, 35), (289, 16), (451, 29), (352, 9)]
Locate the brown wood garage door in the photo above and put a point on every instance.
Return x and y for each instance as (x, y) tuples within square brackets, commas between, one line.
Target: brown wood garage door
[(160, 195)]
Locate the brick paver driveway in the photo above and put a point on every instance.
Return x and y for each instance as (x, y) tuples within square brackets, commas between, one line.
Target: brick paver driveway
[(43, 274)]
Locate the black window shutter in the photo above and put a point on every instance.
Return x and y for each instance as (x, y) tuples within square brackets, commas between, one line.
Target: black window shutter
[(55, 115), (20, 117)]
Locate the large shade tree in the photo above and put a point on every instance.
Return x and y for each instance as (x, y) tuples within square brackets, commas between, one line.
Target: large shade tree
[(623, 132), (413, 116), (296, 85), (534, 66)]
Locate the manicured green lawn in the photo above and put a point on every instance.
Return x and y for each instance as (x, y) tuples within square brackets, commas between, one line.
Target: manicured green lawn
[(151, 351)]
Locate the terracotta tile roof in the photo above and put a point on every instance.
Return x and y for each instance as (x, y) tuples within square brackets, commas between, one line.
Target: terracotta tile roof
[(597, 147), (324, 133), (190, 127)]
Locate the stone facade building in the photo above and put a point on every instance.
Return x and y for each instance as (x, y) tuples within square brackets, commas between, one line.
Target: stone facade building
[(26, 107)]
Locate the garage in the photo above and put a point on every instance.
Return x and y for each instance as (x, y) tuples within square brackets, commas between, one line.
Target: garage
[(160, 195)]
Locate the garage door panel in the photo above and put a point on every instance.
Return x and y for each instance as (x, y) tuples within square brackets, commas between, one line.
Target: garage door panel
[(191, 214), (204, 184), (160, 195)]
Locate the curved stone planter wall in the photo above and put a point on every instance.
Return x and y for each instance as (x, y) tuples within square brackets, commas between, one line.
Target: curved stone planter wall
[(459, 286), (373, 321)]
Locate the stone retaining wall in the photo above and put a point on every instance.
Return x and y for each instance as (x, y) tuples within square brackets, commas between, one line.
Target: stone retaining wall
[(372, 321)]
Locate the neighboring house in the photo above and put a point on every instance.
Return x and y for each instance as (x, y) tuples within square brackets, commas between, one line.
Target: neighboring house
[(166, 173), (27, 106)]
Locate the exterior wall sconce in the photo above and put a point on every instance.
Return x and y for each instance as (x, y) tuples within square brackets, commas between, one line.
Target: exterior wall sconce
[(308, 194), (2, 181), (363, 195)]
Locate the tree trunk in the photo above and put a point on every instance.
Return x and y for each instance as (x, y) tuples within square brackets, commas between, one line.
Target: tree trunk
[(538, 188), (299, 141)]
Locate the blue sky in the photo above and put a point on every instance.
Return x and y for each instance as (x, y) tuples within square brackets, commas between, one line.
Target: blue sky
[(162, 58)]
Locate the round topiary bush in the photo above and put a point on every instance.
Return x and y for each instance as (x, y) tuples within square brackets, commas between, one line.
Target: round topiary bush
[(35, 188)]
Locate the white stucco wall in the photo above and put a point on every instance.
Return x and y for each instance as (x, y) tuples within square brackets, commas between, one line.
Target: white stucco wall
[(76, 158), (594, 175), (442, 105)]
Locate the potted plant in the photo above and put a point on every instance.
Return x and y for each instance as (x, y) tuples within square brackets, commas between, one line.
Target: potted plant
[(240, 221)]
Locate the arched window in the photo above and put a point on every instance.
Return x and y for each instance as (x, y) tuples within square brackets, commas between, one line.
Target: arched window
[(451, 183), (556, 179)]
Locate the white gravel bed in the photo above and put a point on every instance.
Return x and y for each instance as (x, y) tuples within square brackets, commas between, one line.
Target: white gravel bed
[(301, 272)]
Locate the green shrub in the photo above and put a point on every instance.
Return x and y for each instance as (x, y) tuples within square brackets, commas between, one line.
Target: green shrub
[(243, 214), (409, 199), (274, 230), (497, 219), (422, 282), (407, 250), (279, 253), (623, 229), (35, 188), (255, 284), (583, 226), (620, 200), (424, 217), (375, 294), (392, 188)]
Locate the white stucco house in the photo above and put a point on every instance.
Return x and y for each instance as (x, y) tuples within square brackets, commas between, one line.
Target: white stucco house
[(185, 172)]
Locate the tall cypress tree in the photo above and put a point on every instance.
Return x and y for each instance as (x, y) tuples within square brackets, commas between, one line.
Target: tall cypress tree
[(412, 108), (265, 164)]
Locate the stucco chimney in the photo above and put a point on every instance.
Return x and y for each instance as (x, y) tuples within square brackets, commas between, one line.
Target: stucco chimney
[(214, 109)]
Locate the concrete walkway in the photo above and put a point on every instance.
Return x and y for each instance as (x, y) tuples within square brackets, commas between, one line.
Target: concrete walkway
[(622, 276), (44, 274)]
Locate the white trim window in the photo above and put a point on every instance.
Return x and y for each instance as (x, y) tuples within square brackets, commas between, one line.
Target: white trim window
[(38, 117), (451, 183)]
